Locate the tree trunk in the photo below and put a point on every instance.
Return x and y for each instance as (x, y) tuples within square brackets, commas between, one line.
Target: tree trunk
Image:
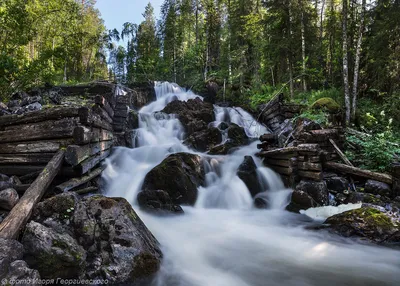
[(290, 56), (357, 61), (346, 65), (303, 51)]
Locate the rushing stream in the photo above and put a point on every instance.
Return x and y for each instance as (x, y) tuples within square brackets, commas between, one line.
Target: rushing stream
[(223, 240)]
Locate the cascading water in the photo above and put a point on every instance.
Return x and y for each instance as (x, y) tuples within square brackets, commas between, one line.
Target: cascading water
[(223, 240)]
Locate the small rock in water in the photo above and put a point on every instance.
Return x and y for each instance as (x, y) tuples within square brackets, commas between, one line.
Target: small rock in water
[(8, 199), (157, 201), (247, 172), (317, 190)]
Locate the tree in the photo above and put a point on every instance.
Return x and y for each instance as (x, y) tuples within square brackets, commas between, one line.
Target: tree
[(345, 64)]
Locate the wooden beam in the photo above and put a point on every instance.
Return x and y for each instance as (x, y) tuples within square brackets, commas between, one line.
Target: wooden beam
[(345, 169), (55, 113), (340, 153), (281, 170), (76, 182), (282, 163), (62, 128), (77, 153), (103, 114), (89, 118), (83, 135), (20, 214), (103, 102), (317, 176), (87, 190), (272, 137), (91, 162), (309, 166), (46, 146), (280, 151), (32, 158)]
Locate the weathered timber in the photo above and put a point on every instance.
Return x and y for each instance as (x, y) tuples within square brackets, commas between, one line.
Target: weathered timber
[(62, 128), (77, 153), (88, 118), (22, 170), (282, 170), (91, 162), (276, 120), (340, 153), (309, 148), (345, 169), (282, 163), (20, 214), (100, 100), (87, 190), (272, 115), (47, 146), (55, 113), (268, 137), (30, 176), (21, 188), (396, 179), (76, 182), (264, 145), (317, 176), (309, 166), (32, 158), (314, 159), (121, 112), (277, 152), (103, 114), (119, 121), (83, 135)]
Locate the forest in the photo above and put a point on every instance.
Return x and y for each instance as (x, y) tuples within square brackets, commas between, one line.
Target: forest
[(347, 51)]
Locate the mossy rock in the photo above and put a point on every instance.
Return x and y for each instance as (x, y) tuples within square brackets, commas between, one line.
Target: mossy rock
[(366, 222), (326, 103)]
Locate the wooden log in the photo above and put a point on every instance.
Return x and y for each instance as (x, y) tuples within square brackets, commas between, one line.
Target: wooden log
[(314, 159), (121, 112), (345, 169), (76, 182), (292, 162), (77, 153), (39, 131), (282, 170), (292, 151), (307, 166), (308, 148), (22, 170), (32, 158), (317, 176), (30, 176), (120, 121), (340, 153), (269, 137), (46, 146), (100, 100), (86, 191), (103, 114), (83, 135), (88, 118), (272, 115), (396, 179), (91, 162), (55, 113), (20, 214)]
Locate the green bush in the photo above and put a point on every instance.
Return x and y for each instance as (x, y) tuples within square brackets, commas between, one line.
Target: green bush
[(319, 116), (264, 94), (309, 97)]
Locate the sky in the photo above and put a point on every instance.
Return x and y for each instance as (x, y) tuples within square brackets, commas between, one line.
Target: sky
[(117, 12)]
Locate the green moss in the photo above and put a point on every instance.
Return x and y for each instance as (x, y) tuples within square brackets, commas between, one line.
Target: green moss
[(374, 217), (326, 103)]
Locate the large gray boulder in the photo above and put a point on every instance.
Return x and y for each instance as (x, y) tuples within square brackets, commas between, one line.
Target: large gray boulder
[(10, 250), (179, 175), (8, 199), (318, 191), (91, 238), (204, 140), (378, 188)]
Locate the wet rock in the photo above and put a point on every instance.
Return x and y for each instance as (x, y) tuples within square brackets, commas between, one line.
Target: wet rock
[(55, 95), (30, 100), (317, 190), (20, 95), (204, 140), (53, 254), (132, 120), (4, 178), (179, 175), (223, 126), (157, 201), (14, 104), (303, 125), (366, 222), (336, 183), (195, 114), (224, 149), (247, 172), (10, 250), (33, 107), (300, 200), (108, 238), (286, 129), (19, 270), (377, 188), (5, 185), (237, 134), (15, 181), (8, 199)]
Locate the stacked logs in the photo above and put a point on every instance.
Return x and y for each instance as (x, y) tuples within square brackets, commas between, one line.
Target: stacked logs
[(329, 140), (275, 112)]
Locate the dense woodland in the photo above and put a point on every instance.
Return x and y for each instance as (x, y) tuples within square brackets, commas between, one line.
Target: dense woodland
[(348, 51)]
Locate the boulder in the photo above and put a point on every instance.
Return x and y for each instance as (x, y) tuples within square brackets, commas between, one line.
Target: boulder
[(8, 199), (5, 185), (91, 238), (336, 183), (4, 178), (10, 251), (179, 175), (317, 190), (132, 120), (366, 222), (195, 114), (157, 201), (204, 140), (31, 100), (19, 270), (300, 200), (33, 107), (377, 188), (224, 149), (237, 134), (247, 172), (14, 104), (53, 254), (286, 128)]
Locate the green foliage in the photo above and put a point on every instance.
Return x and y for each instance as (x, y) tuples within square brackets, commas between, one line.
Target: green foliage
[(376, 153), (319, 116), (310, 97), (263, 95)]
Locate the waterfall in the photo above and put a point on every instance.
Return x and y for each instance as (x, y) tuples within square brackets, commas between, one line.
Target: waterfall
[(223, 240)]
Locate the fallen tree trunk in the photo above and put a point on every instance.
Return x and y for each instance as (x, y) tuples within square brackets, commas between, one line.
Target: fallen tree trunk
[(38, 116), (359, 172), (47, 146), (282, 163), (76, 182), (268, 137), (20, 214)]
